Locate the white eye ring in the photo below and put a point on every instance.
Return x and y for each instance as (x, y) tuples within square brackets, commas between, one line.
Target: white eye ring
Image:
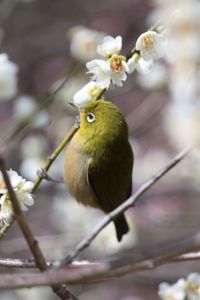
[(90, 117)]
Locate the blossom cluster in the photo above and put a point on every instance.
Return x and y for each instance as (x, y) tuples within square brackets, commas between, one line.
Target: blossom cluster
[(22, 189), (114, 67), (183, 289)]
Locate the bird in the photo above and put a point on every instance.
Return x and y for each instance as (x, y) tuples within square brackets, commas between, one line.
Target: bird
[(98, 161)]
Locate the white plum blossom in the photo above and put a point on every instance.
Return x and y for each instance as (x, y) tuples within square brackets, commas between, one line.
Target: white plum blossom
[(110, 46), (152, 45), (136, 62), (104, 72), (8, 78), (100, 72), (192, 287), (83, 42), (172, 292), (22, 189), (183, 289), (118, 67), (6, 211), (113, 70), (86, 93)]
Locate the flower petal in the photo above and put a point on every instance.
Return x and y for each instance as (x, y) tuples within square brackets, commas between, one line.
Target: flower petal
[(110, 46), (27, 186), (144, 67)]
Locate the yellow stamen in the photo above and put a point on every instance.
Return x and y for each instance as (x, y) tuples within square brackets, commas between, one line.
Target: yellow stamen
[(2, 185), (192, 288), (116, 65), (147, 41)]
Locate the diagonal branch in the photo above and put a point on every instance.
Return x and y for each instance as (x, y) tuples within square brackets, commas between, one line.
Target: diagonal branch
[(120, 209), (40, 261), (54, 155), (46, 167)]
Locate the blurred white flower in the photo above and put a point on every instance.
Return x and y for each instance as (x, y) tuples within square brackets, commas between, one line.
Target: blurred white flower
[(183, 47), (22, 189), (34, 145), (30, 166), (110, 46), (104, 72), (107, 238), (182, 123), (23, 106), (83, 42), (33, 150), (63, 205), (172, 292), (136, 62), (192, 287), (87, 93), (149, 163), (151, 45), (8, 78), (26, 105), (155, 79)]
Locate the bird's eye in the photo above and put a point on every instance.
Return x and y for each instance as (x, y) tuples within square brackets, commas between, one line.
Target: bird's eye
[(90, 117)]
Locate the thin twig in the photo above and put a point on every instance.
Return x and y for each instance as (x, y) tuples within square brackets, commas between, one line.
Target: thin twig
[(32, 243), (46, 167), (54, 155), (40, 261), (15, 263), (120, 209)]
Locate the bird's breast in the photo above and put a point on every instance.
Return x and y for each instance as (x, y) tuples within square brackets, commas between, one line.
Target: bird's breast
[(76, 174)]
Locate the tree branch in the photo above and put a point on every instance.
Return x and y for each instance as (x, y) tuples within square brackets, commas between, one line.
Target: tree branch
[(46, 167), (40, 262), (120, 209), (15, 263), (55, 154), (133, 260)]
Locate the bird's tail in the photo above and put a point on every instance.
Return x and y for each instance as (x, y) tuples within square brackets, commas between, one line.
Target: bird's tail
[(121, 227)]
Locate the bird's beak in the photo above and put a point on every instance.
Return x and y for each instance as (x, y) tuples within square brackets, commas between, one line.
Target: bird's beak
[(72, 104)]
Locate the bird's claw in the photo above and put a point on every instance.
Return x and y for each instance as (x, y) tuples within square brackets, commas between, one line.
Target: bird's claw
[(43, 174)]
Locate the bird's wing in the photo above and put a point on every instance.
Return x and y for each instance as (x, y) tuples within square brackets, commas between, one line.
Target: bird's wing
[(96, 182), (99, 183)]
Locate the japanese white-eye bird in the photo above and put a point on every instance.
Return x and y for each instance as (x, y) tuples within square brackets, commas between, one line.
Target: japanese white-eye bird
[(99, 160)]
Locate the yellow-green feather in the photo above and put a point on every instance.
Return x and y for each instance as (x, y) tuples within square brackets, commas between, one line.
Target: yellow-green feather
[(108, 160)]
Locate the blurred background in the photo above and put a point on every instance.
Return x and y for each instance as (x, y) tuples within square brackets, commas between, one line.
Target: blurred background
[(50, 41)]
